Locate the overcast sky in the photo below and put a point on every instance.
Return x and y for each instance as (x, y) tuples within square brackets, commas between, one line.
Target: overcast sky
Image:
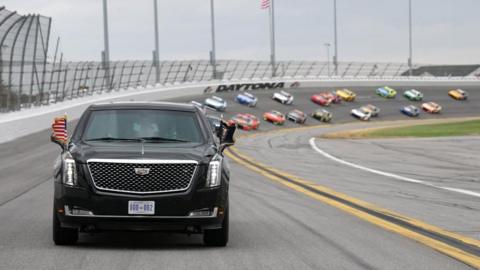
[(445, 31)]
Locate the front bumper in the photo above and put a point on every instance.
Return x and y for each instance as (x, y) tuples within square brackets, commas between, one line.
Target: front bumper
[(89, 210)]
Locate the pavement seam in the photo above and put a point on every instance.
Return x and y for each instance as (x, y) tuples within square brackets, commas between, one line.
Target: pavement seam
[(383, 218), (24, 192)]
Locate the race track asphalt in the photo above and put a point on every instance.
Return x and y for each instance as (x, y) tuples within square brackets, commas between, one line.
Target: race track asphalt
[(272, 226)]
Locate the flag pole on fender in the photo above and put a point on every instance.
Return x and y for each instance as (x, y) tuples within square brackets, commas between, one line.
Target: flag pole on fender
[(271, 11)]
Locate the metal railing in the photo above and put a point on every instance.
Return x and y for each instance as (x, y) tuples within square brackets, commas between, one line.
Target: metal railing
[(28, 79), (77, 79)]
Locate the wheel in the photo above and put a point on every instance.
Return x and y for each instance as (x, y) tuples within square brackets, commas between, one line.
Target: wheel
[(63, 236), (217, 237)]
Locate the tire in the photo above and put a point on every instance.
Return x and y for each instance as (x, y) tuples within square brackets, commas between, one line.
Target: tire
[(63, 236), (217, 237)]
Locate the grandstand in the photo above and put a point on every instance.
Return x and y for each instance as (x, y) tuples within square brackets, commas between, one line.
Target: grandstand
[(445, 71), (23, 58)]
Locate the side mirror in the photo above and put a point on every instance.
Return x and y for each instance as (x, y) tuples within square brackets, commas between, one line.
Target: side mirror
[(228, 133), (57, 142), (227, 139)]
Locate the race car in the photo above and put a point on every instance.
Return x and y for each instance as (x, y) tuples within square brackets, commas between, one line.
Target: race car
[(274, 117), (254, 119), (216, 103), (199, 105), (410, 111), (374, 111), (332, 96), (431, 107), (246, 99), (363, 115), (283, 97), (322, 115), (413, 95), (346, 95), (386, 92), (246, 121), (297, 116), (458, 94), (321, 99)]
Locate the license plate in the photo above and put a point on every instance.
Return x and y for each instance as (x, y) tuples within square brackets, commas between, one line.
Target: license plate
[(141, 207)]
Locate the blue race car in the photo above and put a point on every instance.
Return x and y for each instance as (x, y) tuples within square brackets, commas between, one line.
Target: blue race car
[(246, 99), (410, 111)]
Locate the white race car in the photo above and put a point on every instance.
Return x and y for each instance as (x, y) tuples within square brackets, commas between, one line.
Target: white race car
[(283, 97), (216, 103), (363, 115), (374, 110), (199, 105)]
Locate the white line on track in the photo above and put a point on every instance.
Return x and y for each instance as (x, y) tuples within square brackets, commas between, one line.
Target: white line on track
[(391, 175)]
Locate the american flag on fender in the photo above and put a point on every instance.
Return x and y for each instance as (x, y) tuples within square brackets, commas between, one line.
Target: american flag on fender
[(265, 4), (59, 128)]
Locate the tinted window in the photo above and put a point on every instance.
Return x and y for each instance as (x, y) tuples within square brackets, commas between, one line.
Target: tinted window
[(132, 124)]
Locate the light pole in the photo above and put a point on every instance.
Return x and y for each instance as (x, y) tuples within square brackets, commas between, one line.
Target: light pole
[(213, 53), (335, 56), (106, 52), (156, 55), (410, 43), (327, 46), (272, 38)]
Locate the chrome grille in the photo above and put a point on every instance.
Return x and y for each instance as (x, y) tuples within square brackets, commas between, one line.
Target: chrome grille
[(128, 176)]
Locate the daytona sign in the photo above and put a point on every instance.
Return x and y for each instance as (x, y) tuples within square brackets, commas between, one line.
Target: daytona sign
[(248, 86)]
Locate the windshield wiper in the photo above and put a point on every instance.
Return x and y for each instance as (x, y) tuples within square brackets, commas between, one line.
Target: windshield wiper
[(111, 139), (161, 139)]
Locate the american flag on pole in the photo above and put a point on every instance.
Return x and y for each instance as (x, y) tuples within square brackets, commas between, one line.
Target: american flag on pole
[(59, 128), (265, 4)]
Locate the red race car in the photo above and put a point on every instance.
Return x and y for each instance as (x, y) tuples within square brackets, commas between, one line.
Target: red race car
[(254, 119), (246, 121), (321, 99), (332, 96), (275, 117)]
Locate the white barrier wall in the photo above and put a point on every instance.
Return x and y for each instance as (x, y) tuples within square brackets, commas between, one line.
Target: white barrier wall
[(17, 124)]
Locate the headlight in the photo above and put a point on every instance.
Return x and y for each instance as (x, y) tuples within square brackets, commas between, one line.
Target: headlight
[(214, 173), (69, 170)]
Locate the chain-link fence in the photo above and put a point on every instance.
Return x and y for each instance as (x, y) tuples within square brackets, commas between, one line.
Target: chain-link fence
[(27, 78), (77, 79)]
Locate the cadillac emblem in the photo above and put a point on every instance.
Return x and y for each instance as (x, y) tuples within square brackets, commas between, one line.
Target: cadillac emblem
[(142, 171)]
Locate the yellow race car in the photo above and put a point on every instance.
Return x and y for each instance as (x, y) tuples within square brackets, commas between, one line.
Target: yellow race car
[(346, 95), (458, 94)]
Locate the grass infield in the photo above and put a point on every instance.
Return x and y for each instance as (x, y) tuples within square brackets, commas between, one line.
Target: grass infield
[(462, 128)]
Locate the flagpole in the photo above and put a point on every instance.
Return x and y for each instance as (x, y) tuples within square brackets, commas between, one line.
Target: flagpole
[(335, 57), (272, 38)]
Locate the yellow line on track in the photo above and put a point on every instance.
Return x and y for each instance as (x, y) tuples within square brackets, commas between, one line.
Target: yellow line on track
[(445, 248)]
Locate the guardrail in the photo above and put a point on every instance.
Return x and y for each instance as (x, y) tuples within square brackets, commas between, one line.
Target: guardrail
[(71, 80)]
